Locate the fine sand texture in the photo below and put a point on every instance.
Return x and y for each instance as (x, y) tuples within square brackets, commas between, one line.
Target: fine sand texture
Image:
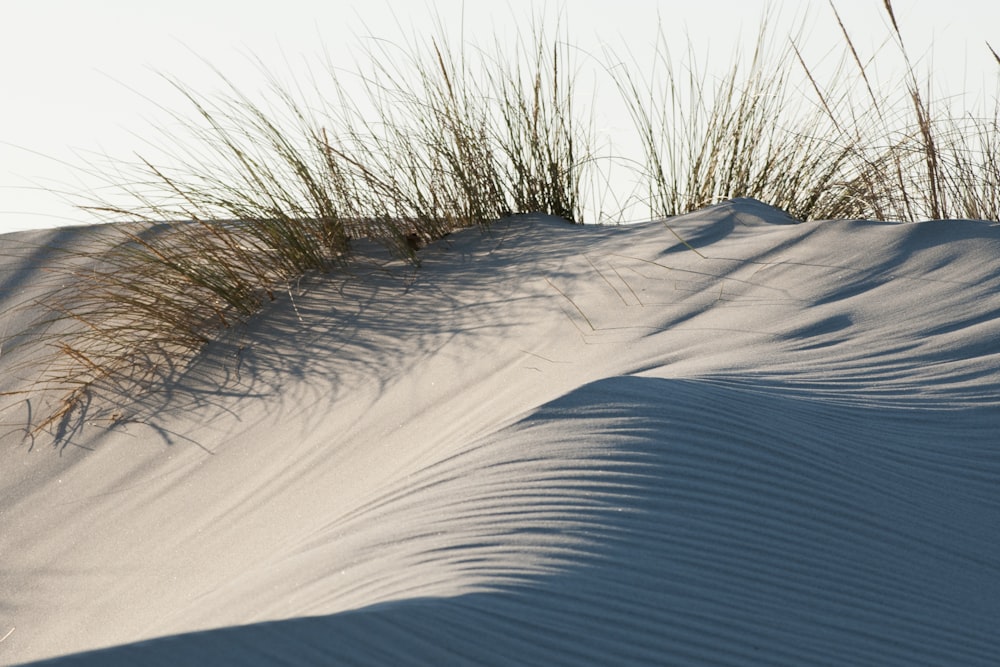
[(772, 443)]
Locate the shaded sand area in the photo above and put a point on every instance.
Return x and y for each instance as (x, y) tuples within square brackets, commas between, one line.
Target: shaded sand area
[(549, 445)]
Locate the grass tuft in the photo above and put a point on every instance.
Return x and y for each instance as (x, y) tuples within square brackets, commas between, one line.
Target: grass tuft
[(262, 194), (748, 134)]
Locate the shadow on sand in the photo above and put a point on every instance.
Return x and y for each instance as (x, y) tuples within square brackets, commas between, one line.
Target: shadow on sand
[(709, 522)]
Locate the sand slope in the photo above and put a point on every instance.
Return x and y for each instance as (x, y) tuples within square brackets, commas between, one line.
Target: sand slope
[(550, 445)]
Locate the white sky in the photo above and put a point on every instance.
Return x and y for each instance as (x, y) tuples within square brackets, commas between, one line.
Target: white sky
[(74, 73)]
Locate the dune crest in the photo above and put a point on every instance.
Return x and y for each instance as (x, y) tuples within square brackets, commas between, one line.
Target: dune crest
[(733, 440)]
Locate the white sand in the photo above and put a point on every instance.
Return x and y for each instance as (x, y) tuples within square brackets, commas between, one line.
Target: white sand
[(550, 445)]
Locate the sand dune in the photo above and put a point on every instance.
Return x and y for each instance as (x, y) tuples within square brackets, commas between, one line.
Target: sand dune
[(551, 444)]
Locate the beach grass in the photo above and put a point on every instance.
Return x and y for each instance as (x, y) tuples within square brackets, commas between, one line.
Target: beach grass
[(745, 133), (846, 146), (257, 193), (910, 156)]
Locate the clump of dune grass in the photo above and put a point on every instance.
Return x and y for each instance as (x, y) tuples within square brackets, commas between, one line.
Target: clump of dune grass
[(252, 196), (748, 133), (912, 156), (769, 129)]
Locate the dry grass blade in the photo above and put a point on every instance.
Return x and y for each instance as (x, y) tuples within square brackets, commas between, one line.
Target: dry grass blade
[(892, 16)]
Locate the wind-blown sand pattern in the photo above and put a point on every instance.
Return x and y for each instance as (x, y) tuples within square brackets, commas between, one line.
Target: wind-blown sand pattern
[(550, 445)]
